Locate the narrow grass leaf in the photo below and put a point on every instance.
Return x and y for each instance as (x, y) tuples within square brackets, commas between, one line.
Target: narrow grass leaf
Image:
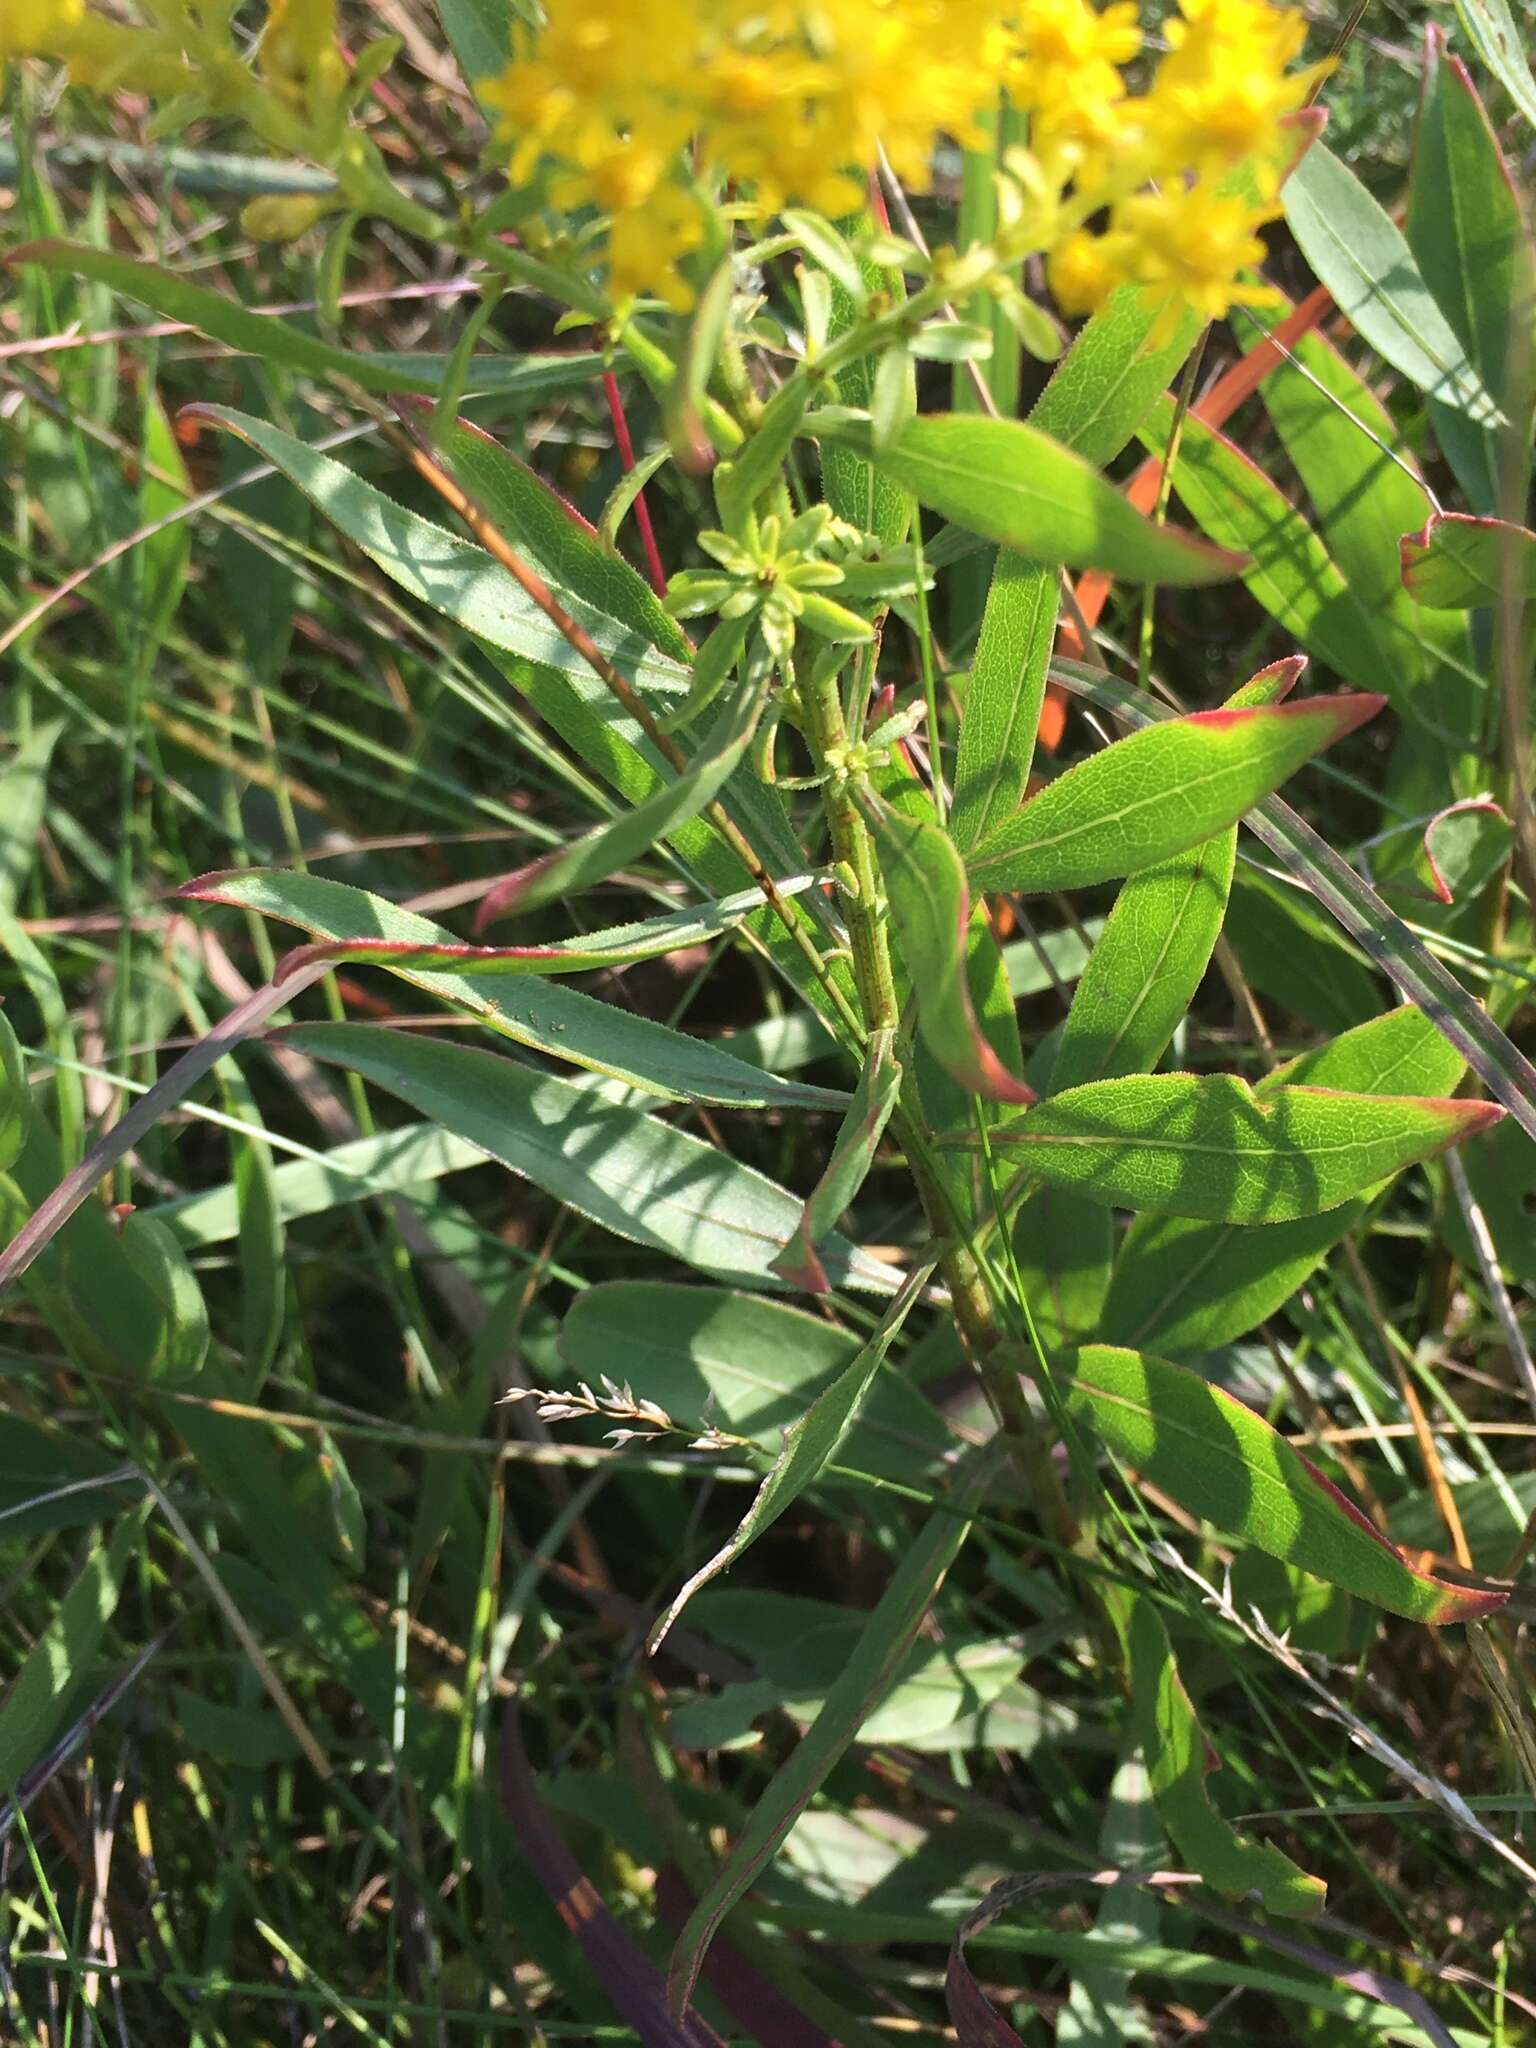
[(1220, 1461), (809, 1446), (853, 1154), (1178, 1760), (1209, 1145), (930, 907), (1015, 485), (274, 340), (637, 1177), (601, 853), (1459, 562), (63, 1654), (15, 1096), (23, 797), (1157, 793), (1355, 248), (618, 946), (163, 566), (857, 1689), (540, 1014)]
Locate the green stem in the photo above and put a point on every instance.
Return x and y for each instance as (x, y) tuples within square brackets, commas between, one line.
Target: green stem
[(826, 733)]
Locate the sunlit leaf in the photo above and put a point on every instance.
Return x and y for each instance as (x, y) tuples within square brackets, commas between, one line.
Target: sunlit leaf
[(1157, 793), (638, 1177), (1210, 1145), (931, 911), (1013, 484), (1178, 1759), (1356, 249), (1220, 1461)]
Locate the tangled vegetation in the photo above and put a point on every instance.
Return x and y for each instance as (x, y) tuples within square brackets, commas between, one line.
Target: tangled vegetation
[(769, 1152)]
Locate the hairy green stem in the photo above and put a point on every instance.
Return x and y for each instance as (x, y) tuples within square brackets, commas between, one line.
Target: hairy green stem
[(987, 1342)]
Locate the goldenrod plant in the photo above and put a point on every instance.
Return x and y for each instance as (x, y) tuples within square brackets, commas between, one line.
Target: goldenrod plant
[(726, 1243)]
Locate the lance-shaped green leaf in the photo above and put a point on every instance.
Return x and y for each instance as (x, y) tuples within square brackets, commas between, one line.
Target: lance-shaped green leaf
[(1466, 224), (1178, 1759), (1357, 250), (752, 1364), (1459, 562), (270, 339), (1357, 907), (552, 536), (854, 1693), (561, 1022), (930, 908), (1182, 1286), (809, 1446), (1209, 1145), (453, 576), (1289, 950), (1156, 943), (1157, 793), (637, 1177), (1363, 486), (1003, 700), (1289, 570), (601, 853), (480, 32), (1464, 847), (1111, 376), (1142, 974), (1218, 1460), (1010, 483), (853, 1154), (621, 945), (855, 491)]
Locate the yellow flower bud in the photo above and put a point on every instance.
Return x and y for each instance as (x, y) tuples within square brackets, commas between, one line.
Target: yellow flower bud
[(283, 217)]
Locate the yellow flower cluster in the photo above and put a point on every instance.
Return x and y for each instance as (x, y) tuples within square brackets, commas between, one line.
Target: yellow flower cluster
[(30, 28), (183, 52), (646, 111)]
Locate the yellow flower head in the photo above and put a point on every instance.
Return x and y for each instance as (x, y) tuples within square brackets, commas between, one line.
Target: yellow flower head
[(1084, 269), (1195, 241), (36, 28), (298, 54), (643, 112)]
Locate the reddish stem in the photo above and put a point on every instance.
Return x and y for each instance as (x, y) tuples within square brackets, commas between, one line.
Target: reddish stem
[(627, 456)]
